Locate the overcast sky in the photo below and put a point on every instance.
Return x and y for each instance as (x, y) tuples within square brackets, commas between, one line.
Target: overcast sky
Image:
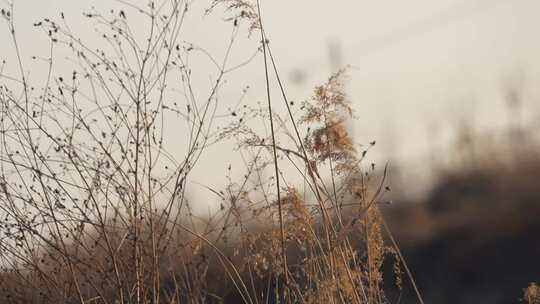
[(418, 66)]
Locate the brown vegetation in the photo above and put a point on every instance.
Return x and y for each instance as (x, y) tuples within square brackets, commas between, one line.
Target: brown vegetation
[(94, 201), (532, 294)]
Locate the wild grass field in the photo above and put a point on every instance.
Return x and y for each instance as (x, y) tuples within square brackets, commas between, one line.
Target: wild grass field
[(97, 159)]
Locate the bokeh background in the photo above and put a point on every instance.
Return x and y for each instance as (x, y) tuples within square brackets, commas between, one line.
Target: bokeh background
[(449, 89)]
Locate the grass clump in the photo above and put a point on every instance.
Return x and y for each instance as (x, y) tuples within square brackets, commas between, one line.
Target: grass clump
[(532, 294), (95, 200)]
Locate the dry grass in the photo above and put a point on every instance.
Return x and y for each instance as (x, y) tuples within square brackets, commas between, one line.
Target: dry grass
[(95, 203), (532, 294)]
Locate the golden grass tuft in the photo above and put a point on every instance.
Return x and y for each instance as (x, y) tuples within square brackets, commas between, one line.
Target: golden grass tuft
[(532, 294)]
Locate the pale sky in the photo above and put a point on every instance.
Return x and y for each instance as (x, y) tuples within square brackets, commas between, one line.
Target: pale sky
[(418, 66)]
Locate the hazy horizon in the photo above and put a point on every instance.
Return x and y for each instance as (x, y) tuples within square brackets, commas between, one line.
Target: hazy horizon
[(418, 69)]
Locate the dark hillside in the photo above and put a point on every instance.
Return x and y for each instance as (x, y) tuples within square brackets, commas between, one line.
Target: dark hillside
[(476, 238)]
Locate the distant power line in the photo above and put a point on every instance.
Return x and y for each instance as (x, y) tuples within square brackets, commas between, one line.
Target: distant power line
[(459, 11)]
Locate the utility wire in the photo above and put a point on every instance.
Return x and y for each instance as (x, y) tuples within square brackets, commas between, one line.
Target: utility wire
[(462, 10)]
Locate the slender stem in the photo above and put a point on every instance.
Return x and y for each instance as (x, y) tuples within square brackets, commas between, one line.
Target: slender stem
[(274, 149)]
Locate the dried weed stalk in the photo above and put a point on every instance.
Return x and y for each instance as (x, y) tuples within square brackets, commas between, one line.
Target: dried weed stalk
[(94, 199)]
